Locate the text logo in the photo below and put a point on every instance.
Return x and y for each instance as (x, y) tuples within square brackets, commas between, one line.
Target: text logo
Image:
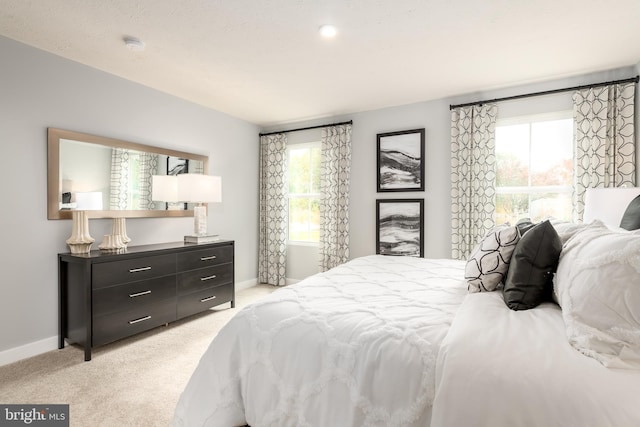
[(34, 415)]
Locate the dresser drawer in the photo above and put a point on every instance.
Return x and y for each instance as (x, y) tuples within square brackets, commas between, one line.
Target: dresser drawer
[(134, 294), (205, 257), (196, 280), (129, 270), (112, 327), (204, 299)]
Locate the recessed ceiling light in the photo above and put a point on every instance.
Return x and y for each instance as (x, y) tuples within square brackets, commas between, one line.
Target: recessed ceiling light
[(328, 31), (134, 43)]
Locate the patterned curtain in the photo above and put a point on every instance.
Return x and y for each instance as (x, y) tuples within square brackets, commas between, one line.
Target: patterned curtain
[(334, 196), (604, 140), (119, 190), (148, 168), (473, 176), (273, 210), (120, 197)]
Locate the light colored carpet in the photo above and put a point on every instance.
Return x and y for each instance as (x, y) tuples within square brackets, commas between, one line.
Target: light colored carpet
[(133, 382)]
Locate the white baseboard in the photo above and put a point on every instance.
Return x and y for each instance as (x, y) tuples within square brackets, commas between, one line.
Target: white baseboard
[(28, 350), (38, 347), (254, 282), (246, 284)]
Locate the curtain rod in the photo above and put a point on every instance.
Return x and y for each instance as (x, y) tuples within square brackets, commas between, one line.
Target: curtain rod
[(307, 128), (547, 92)]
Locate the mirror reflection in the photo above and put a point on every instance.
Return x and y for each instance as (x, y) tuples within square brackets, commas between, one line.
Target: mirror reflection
[(112, 178)]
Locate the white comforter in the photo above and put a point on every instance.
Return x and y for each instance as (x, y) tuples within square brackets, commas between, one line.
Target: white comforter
[(499, 367), (355, 346)]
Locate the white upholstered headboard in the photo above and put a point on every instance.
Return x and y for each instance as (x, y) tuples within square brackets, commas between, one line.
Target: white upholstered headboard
[(608, 204)]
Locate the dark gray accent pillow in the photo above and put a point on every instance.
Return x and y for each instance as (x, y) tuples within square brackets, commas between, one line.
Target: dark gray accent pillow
[(631, 218), (534, 260)]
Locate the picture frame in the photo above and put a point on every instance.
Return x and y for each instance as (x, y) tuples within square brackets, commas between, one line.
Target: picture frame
[(177, 165), (401, 160), (399, 227)]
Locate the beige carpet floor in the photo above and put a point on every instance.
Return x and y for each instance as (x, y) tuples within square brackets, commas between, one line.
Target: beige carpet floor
[(133, 382)]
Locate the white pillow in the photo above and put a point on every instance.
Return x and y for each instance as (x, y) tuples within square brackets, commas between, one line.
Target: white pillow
[(566, 230), (598, 287), (488, 263)]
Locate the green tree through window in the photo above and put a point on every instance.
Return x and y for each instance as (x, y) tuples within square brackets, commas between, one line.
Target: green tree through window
[(534, 168), (304, 192)]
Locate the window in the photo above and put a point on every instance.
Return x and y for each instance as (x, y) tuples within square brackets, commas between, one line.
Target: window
[(534, 167), (304, 192)]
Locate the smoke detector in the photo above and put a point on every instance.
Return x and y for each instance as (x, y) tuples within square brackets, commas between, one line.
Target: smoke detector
[(134, 43)]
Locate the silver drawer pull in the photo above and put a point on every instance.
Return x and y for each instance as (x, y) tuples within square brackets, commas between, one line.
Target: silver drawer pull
[(208, 258), (142, 319), (139, 294), (208, 277), (135, 270), (208, 299)]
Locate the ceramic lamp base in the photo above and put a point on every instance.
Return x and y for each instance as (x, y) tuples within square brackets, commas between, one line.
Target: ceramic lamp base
[(80, 241), (112, 243), (200, 220), (119, 228), (200, 227)]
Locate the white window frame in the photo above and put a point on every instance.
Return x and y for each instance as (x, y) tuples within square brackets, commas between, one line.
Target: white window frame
[(528, 119), (309, 145)]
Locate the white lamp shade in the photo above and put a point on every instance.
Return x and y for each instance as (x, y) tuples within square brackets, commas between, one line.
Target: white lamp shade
[(164, 188), (198, 188), (89, 201)]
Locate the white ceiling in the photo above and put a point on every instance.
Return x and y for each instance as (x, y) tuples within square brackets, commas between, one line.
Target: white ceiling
[(263, 60)]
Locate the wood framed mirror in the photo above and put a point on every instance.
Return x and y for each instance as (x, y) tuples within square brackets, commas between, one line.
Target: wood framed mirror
[(111, 178)]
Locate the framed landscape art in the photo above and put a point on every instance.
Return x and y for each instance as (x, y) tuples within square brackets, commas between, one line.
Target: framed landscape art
[(177, 165), (401, 161), (399, 228)]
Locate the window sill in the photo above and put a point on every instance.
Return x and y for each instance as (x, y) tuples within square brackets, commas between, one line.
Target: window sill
[(300, 243)]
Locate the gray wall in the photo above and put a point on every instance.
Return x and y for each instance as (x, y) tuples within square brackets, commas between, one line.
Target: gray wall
[(434, 116), (40, 90)]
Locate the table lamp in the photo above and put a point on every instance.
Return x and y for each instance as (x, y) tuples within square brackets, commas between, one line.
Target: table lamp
[(190, 188), (199, 189)]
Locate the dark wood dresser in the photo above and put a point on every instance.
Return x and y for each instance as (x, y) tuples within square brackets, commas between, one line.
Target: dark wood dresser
[(108, 296)]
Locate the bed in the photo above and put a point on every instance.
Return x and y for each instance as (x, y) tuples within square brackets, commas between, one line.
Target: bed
[(401, 341), (356, 345)]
